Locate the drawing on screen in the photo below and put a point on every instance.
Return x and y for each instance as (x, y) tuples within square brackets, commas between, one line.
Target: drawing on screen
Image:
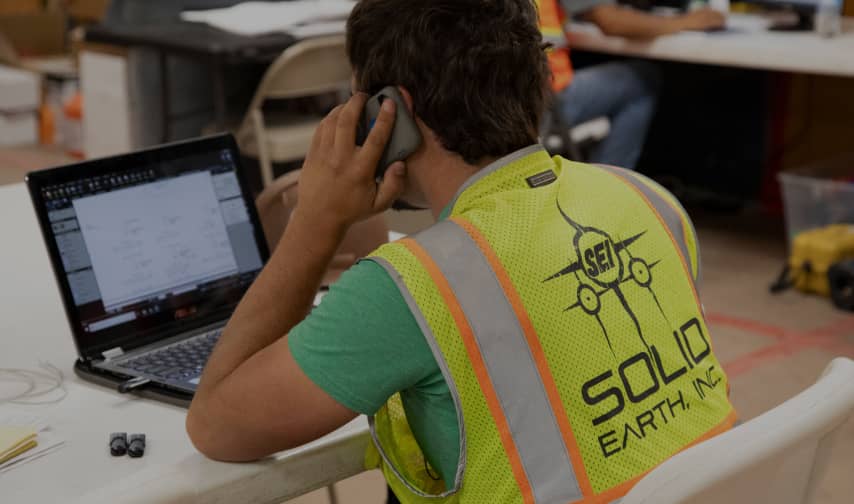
[(155, 238)]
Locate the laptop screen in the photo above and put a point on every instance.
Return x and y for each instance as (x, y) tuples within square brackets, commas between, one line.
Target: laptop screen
[(153, 246)]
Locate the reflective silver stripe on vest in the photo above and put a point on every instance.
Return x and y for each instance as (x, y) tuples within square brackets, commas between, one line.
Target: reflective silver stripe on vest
[(508, 360), (446, 373), (698, 278), (668, 214)]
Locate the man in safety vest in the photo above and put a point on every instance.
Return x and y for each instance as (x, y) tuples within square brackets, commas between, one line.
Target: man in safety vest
[(626, 92), (543, 342)]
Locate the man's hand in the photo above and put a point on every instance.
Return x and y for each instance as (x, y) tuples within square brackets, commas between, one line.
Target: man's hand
[(702, 20), (337, 185)]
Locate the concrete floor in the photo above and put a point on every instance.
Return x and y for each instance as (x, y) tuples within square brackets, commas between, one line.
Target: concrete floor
[(771, 346)]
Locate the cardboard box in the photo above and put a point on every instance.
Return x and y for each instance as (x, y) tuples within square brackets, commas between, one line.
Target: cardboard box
[(37, 42), (38, 34), (20, 6)]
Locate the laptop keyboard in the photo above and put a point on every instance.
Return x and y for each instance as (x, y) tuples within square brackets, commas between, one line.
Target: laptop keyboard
[(181, 361)]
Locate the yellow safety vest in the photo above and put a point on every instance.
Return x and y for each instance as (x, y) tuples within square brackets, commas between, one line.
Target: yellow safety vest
[(559, 300), (551, 27)]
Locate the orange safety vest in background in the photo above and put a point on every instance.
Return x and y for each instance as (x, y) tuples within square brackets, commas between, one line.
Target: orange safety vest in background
[(551, 26)]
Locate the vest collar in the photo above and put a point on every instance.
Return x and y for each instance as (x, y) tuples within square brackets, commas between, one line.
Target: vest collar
[(535, 159)]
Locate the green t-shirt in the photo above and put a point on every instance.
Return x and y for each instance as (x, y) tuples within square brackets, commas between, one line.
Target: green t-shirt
[(362, 345)]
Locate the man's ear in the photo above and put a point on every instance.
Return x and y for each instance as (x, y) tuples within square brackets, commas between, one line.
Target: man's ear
[(407, 98)]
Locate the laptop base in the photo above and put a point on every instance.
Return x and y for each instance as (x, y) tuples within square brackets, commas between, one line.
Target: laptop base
[(153, 390)]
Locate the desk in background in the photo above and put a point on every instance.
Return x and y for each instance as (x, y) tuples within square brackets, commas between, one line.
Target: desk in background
[(796, 52), (33, 328), (801, 83), (218, 50)]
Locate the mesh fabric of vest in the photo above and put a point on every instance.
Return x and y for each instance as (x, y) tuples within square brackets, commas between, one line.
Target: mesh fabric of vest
[(614, 328)]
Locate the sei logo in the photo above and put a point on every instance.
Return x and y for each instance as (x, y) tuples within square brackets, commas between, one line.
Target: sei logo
[(600, 258)]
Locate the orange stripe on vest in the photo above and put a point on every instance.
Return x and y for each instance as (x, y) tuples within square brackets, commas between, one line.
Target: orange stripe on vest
[(478, 366)]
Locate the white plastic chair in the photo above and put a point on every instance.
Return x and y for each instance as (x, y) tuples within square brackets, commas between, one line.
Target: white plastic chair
[(308, 68), (777, 457)]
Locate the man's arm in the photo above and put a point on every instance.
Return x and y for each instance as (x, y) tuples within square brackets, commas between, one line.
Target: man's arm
[(620, 21), (253, 399)]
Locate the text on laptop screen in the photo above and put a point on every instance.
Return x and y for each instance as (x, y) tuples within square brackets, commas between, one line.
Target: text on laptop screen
[(149, 246)]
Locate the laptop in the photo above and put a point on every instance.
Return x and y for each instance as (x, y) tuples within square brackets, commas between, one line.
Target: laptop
[(152, 251)]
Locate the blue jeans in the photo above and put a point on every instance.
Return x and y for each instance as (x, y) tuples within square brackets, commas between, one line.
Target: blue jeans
[(626, 93)]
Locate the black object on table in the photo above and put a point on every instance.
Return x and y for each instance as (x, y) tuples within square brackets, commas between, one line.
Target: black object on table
[(218, 48), (118, 443), (841, 278), (136, 446)]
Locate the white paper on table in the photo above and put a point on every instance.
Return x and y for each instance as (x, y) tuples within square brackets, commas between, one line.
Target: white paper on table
[(748, 23), (48, 440), (257, 18)]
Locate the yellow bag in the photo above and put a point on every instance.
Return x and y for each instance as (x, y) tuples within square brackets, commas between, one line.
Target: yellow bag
[(813, 254)]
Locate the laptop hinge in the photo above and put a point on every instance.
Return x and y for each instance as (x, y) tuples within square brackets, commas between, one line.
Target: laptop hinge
[(113, 353)]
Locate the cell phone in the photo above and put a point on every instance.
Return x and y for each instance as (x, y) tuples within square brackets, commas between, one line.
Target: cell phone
[(405, 137)]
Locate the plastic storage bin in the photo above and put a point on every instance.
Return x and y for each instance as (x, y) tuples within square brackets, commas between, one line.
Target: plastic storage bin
[(818, 195)]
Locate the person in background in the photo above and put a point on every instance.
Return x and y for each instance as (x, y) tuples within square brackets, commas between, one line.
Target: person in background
[(625, 92), (542, 342)]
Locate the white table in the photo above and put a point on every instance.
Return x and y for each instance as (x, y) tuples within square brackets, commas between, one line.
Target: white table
[(798, 52), (33, 328)]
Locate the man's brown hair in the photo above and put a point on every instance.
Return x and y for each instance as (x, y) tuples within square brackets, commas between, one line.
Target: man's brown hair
[(476, 69)]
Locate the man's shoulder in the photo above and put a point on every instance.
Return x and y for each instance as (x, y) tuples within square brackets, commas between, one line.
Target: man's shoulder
[(362, 343), (633, 177), (364, 296), (367, 276)]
